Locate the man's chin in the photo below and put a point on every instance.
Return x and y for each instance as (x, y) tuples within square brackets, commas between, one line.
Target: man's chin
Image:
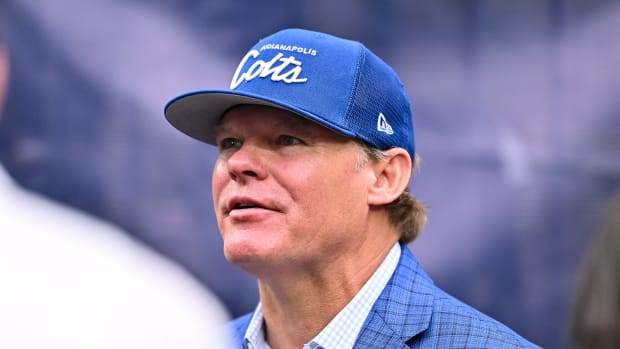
[(241, 253), (251, 260)]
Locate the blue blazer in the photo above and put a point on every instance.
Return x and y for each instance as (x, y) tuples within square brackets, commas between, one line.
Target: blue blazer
[(412, 312)]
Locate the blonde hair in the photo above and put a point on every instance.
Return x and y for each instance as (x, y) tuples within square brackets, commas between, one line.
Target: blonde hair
[(406, 213)]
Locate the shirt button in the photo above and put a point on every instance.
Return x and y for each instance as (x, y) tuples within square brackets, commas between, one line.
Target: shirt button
[(248, 344)]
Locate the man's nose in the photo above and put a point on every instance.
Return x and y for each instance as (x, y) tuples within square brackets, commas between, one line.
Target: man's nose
[(246, 163)]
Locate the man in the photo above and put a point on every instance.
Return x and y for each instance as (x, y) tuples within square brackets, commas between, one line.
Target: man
[(71, 281), (316, 150)]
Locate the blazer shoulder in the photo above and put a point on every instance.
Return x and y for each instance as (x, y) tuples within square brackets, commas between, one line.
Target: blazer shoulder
[(429, 315), (455, 323), (236, 329)]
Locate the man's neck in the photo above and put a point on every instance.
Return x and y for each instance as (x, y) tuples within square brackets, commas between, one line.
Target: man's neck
[(296, 310)]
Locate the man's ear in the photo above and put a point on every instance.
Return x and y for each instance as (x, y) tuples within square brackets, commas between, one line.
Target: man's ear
[(392, 175)]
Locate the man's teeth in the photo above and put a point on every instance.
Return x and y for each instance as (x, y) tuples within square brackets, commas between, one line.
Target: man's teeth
[(240, 206)]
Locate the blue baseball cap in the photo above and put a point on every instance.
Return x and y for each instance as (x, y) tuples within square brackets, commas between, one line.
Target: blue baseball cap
[(334, 82)]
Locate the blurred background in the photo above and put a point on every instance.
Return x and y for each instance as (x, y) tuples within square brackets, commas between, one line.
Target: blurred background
[(516, 108)]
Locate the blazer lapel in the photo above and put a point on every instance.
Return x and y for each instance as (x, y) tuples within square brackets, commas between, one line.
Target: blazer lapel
[(402, 311)]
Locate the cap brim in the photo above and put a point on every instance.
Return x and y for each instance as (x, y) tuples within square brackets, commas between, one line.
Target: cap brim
[(197, 113)]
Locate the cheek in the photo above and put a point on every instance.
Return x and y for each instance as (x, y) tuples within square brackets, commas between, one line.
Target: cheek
[(217, 185), (344, 191), (325, 190), (218, 179)]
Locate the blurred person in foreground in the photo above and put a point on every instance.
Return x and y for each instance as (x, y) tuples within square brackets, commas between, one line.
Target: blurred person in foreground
[(70, 281), (316, 150), (595, 318)]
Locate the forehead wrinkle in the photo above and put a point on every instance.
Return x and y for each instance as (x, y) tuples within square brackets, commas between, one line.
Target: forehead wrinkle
[(219, 129), (296, 122), (282, 119)]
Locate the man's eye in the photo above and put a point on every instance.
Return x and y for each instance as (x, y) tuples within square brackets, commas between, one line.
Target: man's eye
[(229, 143), (288, 140)]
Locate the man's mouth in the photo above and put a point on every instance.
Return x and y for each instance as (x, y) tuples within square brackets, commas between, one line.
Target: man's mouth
[(243, 204)]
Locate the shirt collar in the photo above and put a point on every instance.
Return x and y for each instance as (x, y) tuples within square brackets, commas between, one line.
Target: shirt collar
[(342, 330), (255, 334)]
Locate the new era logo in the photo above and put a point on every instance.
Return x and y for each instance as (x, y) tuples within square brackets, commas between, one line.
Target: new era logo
[(383, 126)]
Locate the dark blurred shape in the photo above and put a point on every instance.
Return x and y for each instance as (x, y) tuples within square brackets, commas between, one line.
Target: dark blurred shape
[(595, 317)]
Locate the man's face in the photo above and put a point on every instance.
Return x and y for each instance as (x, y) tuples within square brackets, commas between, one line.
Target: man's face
[(287, 191)]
